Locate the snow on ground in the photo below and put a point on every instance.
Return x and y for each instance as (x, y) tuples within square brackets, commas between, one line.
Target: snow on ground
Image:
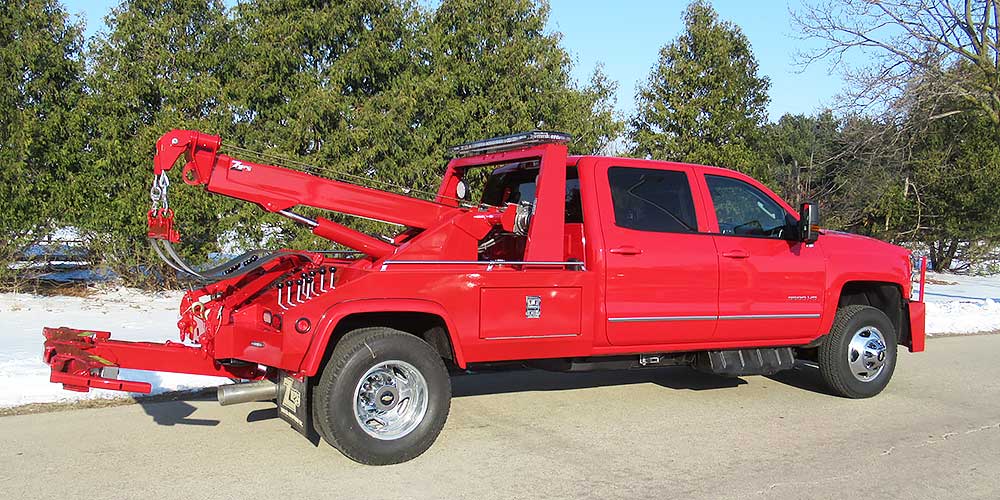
[(955, 305), (962, 304), (127, 314), (962, 317)]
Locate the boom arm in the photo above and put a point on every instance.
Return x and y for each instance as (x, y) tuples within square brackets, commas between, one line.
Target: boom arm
[(277, 189)]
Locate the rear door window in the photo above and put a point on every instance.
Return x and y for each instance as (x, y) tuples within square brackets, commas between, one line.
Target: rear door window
[(655, 200)]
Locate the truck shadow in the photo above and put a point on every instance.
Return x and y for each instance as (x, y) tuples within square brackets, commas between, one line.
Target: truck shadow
[(175, 413), (171, 409), (262, 414), (525, 380), (805, 377)]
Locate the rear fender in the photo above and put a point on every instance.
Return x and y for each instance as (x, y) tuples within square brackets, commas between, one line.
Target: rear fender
[(313, 359)]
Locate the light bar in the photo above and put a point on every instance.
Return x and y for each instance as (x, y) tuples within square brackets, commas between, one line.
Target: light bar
[(510, 143)]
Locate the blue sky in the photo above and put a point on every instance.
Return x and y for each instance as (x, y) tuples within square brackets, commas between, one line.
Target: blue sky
[(626, 35)]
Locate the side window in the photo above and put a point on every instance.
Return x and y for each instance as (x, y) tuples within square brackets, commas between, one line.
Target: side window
[(574, 204), (516, 183), (652, 200), (743, 210)]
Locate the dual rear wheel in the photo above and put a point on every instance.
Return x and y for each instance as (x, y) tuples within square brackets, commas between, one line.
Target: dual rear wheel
[(383, 396)]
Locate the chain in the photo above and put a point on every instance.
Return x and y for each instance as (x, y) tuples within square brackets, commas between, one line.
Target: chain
[(158, 191)]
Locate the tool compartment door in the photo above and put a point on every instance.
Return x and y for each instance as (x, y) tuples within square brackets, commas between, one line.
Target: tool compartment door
[(529, 313)]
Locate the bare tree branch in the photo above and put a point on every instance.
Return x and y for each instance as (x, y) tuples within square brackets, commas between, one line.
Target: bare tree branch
[(909, 43)]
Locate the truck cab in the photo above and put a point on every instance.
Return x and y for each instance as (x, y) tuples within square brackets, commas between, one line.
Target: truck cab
[(689, 257)]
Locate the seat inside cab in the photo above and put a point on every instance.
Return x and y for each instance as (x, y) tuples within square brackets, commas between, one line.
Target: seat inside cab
[(515, 183)]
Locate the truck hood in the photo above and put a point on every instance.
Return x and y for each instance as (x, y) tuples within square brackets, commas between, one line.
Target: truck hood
[(852, 257), (855, 243)]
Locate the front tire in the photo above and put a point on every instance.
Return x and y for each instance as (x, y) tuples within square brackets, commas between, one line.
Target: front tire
[(383, 397), (858, 357)]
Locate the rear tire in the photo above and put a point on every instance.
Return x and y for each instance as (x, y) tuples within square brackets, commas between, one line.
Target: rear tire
[(858, 357), (383, 397)]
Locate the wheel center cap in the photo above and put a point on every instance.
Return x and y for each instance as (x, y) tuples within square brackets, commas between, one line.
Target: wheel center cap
[(875, 353), (386, 398)]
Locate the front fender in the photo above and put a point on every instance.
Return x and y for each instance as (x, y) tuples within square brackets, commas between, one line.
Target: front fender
[(333, 316), (836, 288)]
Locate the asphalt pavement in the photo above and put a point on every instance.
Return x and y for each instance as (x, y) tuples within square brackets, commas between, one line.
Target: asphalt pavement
[(663, 433)]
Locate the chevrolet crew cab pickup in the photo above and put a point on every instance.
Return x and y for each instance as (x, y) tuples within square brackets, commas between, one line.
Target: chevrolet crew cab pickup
[(558, 262)]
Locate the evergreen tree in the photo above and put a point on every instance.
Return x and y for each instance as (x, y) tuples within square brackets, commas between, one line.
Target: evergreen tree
[(379, 90), (803, 148), (704, 101), (491, 69), (946, 195), (40, 136), (162, 66), (498, 72), (316, 86)]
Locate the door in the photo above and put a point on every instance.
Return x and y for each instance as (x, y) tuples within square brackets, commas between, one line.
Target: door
[(662, 274), (771, 285)]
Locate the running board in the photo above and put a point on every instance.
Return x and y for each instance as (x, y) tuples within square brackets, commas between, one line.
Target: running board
[(737, 363)]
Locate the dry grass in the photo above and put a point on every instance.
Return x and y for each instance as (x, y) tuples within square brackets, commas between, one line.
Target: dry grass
[(976, 334), (66, 289), (34, 408), (935, 281), (50, 289)]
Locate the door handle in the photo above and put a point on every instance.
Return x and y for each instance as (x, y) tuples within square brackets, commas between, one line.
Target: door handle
[(626, 250), (736, 254)]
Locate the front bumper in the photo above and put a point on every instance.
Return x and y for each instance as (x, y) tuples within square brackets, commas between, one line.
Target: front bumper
[(918, 334)]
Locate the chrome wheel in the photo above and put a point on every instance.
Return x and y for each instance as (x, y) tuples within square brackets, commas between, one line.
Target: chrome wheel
[(390, 400), (866, 353)]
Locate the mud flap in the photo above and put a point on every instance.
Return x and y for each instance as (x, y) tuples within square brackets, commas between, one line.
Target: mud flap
[(293, 404)]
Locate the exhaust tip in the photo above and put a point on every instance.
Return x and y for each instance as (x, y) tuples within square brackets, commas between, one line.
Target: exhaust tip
[(247, 392)]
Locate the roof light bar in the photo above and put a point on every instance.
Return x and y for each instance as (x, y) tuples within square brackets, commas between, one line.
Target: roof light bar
[(510, 143)]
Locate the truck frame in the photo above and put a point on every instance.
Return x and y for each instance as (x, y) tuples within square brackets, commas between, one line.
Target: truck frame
[(566, 263)]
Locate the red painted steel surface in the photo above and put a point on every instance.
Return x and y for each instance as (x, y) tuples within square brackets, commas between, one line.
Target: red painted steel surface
[(923, 278), (638, 291), (661, 288), (507, 313), (764, 282), (78, 356), (918, 334)]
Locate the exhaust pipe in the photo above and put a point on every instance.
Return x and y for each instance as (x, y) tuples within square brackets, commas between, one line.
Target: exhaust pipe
[(247, 393)]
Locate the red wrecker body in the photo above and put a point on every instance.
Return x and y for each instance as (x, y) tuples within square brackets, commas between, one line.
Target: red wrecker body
[(566, 262)]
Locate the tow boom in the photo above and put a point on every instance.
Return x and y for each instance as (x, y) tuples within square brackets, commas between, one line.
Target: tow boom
[(279, 189)]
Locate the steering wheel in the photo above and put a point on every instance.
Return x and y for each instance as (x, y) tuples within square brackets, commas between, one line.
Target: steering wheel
[(776, 232), (752, 227)]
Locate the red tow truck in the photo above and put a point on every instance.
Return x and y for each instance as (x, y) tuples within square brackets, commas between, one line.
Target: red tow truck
[(562, 262)]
